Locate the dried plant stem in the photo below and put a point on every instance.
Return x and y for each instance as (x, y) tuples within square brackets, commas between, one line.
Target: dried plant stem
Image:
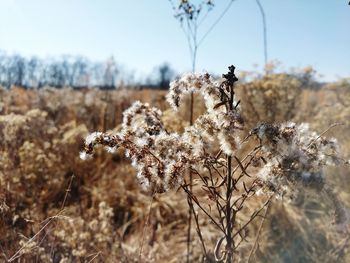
[(190, 209), (216, 22), (229, 239), (201, 207), (49, 220), (230, 213), (190, 204), (95, 255), (263, 16), (193, 41), (252, 251), (253, 216), (189, 223), (145, 227), (67, 192), (18, 253), (324, 132)]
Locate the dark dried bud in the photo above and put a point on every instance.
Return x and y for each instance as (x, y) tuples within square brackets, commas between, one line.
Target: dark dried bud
[(230, 77)]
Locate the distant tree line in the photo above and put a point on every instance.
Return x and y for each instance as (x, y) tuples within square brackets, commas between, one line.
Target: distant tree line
[(72, 71), (160, 77)]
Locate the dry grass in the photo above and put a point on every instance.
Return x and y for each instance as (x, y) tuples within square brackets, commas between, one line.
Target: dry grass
[(105, 212)]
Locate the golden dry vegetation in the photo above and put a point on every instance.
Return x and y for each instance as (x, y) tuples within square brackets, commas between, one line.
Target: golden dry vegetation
[(106, 217)]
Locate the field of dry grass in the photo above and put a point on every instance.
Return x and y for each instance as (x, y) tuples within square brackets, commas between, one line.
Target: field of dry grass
[(105, 215)]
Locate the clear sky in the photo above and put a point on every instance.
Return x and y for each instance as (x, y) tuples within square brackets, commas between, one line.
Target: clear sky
[(141, 34)]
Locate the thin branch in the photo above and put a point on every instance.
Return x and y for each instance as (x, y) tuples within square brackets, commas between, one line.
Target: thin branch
[(254, 215), (189, 222), (189, 43), (200, 206), (250, 154), (18, 253), (49, 220), (259, 231), (219, 207), (67, 192), (217, 250), (203, 18), (264, 29), (324, 132), (216, 22), (197, 228), (145, 227), (95, 256), (241, 166)]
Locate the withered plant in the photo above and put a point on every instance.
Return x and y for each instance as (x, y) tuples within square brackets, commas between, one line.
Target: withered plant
[(232, 167), (192, 15), (272, 98)]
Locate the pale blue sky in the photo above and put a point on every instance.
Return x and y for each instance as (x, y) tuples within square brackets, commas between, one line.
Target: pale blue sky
[(141, 34)]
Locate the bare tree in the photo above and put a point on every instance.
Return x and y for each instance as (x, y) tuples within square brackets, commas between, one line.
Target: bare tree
[(57, 72), (110, 73), (33, 66), (164, 74)]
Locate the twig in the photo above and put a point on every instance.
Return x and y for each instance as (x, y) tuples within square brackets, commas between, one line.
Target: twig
[(200, 206), (324, 132), (145, 227), (254, 215), (215, 23), (50, 219), (189, 227), (17, 254), (259, 231), (264, 29), (69, 189), (241, 166), (197, 228), (217, 250), (95, 256), (189, 223)]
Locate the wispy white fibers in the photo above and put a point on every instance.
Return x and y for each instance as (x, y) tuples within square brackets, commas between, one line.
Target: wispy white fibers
[(189, 82), (291, 153), (295, 153)]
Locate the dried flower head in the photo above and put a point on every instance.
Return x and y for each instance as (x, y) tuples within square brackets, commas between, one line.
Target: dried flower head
[(294, 154), (160, 157)]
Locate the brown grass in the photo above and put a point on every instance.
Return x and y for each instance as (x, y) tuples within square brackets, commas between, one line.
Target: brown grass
[(104, 214)]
